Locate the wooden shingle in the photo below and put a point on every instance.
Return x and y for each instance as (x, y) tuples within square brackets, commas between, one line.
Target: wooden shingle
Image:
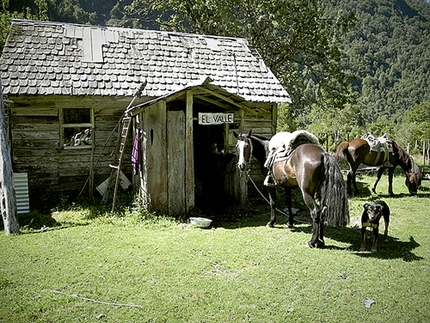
[(45, 58)]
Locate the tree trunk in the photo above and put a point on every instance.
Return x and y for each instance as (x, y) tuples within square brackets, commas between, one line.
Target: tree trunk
[(7, 191)]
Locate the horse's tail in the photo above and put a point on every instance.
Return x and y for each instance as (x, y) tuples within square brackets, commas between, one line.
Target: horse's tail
[(341, 151), (333, 194)]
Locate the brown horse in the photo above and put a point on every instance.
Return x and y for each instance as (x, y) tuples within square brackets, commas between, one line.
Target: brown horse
[(358, 151), (309, 168)]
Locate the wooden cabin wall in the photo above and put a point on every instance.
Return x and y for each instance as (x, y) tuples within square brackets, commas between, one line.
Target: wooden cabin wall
[(35, 143), (55, 172), (156, 181), (262, 120), (176, 179)]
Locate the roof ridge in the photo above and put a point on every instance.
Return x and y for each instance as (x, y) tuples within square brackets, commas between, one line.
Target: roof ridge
[(62, 23), (48, 57)]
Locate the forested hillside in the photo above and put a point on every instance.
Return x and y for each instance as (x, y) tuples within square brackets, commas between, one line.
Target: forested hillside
[(388, 53), (343, 77)]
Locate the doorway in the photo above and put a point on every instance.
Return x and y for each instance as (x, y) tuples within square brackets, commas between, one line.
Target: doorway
[(209, 164)]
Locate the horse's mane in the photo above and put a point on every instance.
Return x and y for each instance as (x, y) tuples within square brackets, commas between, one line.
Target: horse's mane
[(406, 161), (261, 154)]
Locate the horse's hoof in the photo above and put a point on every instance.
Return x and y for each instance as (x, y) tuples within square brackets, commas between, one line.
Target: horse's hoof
[(289, 226), (362, 249), (318, 244), (310, 244), (373, 250), (270, 225)]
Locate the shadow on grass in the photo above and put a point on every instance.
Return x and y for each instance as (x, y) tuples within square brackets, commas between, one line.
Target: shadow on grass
[(393, 249), (36, 222)]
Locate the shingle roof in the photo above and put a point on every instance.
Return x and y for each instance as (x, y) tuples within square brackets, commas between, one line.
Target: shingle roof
[(52, 58)]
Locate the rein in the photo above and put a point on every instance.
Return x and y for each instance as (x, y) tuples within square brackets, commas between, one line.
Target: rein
[(247, 163), (255, 185), (252, 181), (265, 198), (261, 193)]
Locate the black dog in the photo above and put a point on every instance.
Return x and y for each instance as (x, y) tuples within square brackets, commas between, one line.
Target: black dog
[(370, 221)]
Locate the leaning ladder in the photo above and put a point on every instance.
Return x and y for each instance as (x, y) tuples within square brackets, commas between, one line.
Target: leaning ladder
[(126, 122)]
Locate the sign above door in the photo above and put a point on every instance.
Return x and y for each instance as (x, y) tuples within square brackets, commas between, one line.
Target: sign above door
[(215, 118)]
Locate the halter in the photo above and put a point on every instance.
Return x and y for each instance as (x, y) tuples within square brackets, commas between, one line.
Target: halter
[(246, 141)]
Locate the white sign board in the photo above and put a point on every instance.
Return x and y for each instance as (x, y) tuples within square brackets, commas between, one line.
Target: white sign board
[(215, 118)]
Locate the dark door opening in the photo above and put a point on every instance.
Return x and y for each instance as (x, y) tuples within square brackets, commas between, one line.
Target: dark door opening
[(209, 165)]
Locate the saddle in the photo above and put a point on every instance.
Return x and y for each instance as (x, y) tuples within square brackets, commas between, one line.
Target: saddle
[(380, 145), (281, 147)]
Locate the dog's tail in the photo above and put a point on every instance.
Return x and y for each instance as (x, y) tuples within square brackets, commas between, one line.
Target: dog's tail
[(333, 194)]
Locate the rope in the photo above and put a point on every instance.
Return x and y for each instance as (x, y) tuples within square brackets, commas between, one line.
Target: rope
[(268, 202), (262, 195), (256, 187)]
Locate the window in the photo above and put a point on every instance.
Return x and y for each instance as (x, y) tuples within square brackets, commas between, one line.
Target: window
[(76, 128)]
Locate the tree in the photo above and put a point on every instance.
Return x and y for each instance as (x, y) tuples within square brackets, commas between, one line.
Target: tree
[(38, 9), (418, 121), (7, 192), (332, 125), (298, 40)]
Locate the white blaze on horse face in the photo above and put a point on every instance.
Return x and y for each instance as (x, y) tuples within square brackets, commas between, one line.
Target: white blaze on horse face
[(241, 152)]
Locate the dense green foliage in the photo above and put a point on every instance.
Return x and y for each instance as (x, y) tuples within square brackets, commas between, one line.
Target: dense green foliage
[(349, 66), (388, 53)]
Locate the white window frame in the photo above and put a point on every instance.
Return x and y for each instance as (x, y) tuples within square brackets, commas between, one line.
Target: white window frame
[(63, 126)]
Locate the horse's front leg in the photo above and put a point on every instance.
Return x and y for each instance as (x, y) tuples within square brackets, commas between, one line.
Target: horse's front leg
[(290, 223), (390, 181), (349, 182), (272, 200), (378, 177)]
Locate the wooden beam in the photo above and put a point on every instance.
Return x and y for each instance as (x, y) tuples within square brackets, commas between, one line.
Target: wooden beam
[(189, 153), (224, 98), (274, 117), (221, 104)]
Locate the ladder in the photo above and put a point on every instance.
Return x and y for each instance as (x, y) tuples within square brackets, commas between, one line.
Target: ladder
[(126, 122)]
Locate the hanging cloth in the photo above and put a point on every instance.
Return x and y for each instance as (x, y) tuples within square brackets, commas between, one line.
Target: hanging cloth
[(136, 154)]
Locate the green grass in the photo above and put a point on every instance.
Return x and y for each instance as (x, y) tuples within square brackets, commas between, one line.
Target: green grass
[(87, 269)]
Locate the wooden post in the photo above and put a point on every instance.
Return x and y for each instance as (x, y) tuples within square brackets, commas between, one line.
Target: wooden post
[(91, 177), (428, 151), (274, 117), (7, 191), (189, 153)]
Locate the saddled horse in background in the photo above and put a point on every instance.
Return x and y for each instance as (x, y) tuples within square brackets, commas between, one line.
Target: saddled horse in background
[(358, 151), (313, 171)]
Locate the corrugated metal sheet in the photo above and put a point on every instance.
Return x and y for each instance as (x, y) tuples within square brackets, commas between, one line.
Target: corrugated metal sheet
[(21, 192)]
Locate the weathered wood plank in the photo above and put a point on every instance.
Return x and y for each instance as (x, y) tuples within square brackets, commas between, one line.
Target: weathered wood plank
[(35, 111), (27, 136), (155, 128), (176, 162), (189, 154)]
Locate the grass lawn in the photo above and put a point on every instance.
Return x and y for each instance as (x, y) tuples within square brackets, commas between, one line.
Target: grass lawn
[(127, 269)]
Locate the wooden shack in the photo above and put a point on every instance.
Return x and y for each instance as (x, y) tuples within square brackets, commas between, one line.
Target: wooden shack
[(71, 85)]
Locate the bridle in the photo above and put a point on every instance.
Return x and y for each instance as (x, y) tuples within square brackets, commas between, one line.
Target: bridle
[(244, 161)]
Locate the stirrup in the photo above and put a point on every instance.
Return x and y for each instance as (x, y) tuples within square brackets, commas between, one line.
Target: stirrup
[(269, 181), (388, 164)]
